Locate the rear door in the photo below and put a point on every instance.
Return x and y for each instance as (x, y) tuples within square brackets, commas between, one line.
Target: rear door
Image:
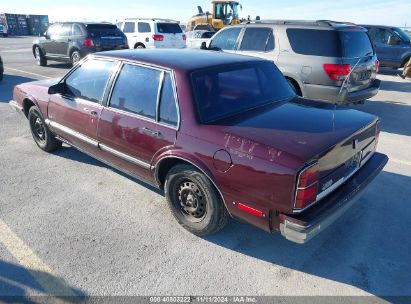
[(358, 52), (258, 41), (172, 33), (140, 120), (387, 54), (74, 115)]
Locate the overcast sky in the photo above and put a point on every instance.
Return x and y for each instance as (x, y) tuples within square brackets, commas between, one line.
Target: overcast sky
[(389, 12)]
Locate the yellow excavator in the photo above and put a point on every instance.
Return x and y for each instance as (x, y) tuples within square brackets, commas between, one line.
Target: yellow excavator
[(225, 13)]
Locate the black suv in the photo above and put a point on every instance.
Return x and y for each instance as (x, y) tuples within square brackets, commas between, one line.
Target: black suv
[(71, 41)]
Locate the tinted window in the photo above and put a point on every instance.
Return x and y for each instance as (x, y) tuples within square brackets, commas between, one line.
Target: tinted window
[(66, 30), (77, 30), (136, 90), (169, 28), (119, 25), (104, 30), (89, 81), (168, 106), (356, 44), (129, 27), (314, 42), (144, 27), (226, 91), (402, 34), (226, 40), (270, 43), (381, 35), (255, 39)]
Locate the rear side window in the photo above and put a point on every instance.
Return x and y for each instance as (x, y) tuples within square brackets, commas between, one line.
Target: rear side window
[(129, 27), (136, 90), (168, 105), (227, 39), (256, 39), (169, 28), (314, 42), (104, 30), (356, 44), (77, 30), (144, 27), (89, 81)]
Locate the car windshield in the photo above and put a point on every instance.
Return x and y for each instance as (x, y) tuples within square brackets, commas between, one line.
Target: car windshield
[(404, 36), (356, 44), (169, 28), (226, 91), (101, 30)]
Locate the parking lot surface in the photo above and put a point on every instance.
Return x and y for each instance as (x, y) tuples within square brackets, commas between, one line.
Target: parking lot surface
[(70, 225)]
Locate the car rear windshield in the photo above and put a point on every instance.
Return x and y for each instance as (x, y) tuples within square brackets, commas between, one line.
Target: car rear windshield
[(356, 44), (314, 42), (101, 30), (226, 91), (169, 28)]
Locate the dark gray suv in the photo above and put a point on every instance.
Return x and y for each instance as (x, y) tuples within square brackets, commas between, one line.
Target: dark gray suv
[(393, 45), (325, 60), (71, 41)]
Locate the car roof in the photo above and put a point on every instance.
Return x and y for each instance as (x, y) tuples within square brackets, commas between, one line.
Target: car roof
[(311, 24), (376, 25), (180, 59)]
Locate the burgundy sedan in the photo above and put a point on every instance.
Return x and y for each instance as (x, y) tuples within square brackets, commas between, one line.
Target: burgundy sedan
[(224, 135)]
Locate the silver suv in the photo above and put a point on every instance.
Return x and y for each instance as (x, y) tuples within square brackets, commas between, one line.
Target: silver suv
[(324, 60)]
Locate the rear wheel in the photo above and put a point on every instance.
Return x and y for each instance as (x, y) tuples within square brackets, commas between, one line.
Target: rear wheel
[(40, 58), (75, 57), (294, 86), (40, 132), (139, 46), (194, 201)]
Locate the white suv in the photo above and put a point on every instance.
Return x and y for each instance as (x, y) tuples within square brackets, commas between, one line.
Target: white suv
[(152, 33), (3, 30)]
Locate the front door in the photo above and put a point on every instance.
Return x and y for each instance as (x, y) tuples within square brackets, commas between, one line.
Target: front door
[(137, 124), (74, 115)]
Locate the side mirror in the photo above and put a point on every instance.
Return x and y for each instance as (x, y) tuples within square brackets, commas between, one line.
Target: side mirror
[(58, 88), (393, 40), (204, 45)]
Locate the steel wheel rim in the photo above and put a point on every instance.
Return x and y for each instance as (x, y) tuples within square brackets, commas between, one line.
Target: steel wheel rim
[(37, 51), (39, 130), (75, 57), (191, 201)]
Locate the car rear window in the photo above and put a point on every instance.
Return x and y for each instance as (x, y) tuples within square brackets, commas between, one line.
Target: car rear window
[(229, 90), (356, 44), (169, 28), (101, 30), (315, 42)]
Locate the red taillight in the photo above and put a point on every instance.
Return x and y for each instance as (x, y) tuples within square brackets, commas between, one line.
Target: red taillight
[(377, 66), (249, 210), (88, 43), (184, 37), (158, 37), (337, 71), (307, 187)]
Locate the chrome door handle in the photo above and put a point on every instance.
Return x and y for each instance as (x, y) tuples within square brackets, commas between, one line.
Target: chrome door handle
[(151, 132)]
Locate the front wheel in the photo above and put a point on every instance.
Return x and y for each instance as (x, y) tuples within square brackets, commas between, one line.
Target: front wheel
[(44, 139), (194, 201), (40, 58)]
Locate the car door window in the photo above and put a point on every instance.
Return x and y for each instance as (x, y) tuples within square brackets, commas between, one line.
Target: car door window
[(77, 30), (168, 106), (136, 90), (144, 27), (129, 27), (66, 30), (89, 81), (256, 39), (382, 35), (226, 39)]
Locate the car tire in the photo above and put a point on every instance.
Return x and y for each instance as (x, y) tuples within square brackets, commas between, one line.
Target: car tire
[(139, 46), (40, 58), (42, 135), (194, 201), (75, 57)]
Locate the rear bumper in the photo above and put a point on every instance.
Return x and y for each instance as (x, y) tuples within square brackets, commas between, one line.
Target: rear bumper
[(333, 95), (303, 227)]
